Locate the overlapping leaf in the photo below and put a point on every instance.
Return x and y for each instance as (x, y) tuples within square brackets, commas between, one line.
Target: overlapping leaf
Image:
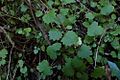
[(49, 17), (84, 51), (70, 38), (55, 34), (43, 67), (94, 29), (52, 51)]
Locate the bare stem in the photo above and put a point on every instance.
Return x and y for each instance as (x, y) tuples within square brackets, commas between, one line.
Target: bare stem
[(11, 50), (38, 24), (97, 51)]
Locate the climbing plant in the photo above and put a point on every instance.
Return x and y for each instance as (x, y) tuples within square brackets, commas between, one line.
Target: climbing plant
[(59, 39)]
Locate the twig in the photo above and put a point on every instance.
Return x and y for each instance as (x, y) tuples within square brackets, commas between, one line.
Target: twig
[(8, 37), (86, 7), (11, 50), (44, 4), (10, 16), (37, 23), (9, 63), (15, 70), (104, 32), (1, 42), (96, 54)]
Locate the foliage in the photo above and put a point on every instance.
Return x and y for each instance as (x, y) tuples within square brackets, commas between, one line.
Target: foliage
[(84, 51), (55, 34), (23, 69), (70, 38), (94, 29), (68, 1), (25, 31), (25, 18), (107, 9), (52, 50), (49, 17), (36, 50), (98, 72), (3, 55), (59, 39), (44, 68)]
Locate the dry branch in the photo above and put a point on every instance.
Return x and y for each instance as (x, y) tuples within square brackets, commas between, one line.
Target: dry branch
[(11, 50)]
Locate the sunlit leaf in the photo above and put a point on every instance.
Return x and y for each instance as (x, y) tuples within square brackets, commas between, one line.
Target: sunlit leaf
[(70, 38), (43, 67)]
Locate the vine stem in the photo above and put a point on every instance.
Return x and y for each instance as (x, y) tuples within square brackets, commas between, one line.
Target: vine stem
[(15, 70), (37, 23), (44, 4), (97, 50), (11, 50)]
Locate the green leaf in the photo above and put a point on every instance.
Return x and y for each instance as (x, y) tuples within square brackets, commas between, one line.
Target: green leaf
[(64, 11), (55, 34), (50, 3), (113, 16), (20, 63), (3, 53), (79, 41), (70, 38), (67, 69), (49, 17), (23, 70), (57, 2), (113, 54), (23, 8), (25, 18), (68, 1), (52, 50), (19, 31), (56, 46), (98, 72), (43, 67), (89, 15), (86, 24), (84, 76), (69, 27), (60, 19), (70, 20), (78, 64), (115, 32), (36, 50), (38, 13), (84, 51), (104, 2), (93, 4), (94, 29), (107, 9), (115, 43), (12, 12), (88, 39), (27, 30), (2, 62)]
